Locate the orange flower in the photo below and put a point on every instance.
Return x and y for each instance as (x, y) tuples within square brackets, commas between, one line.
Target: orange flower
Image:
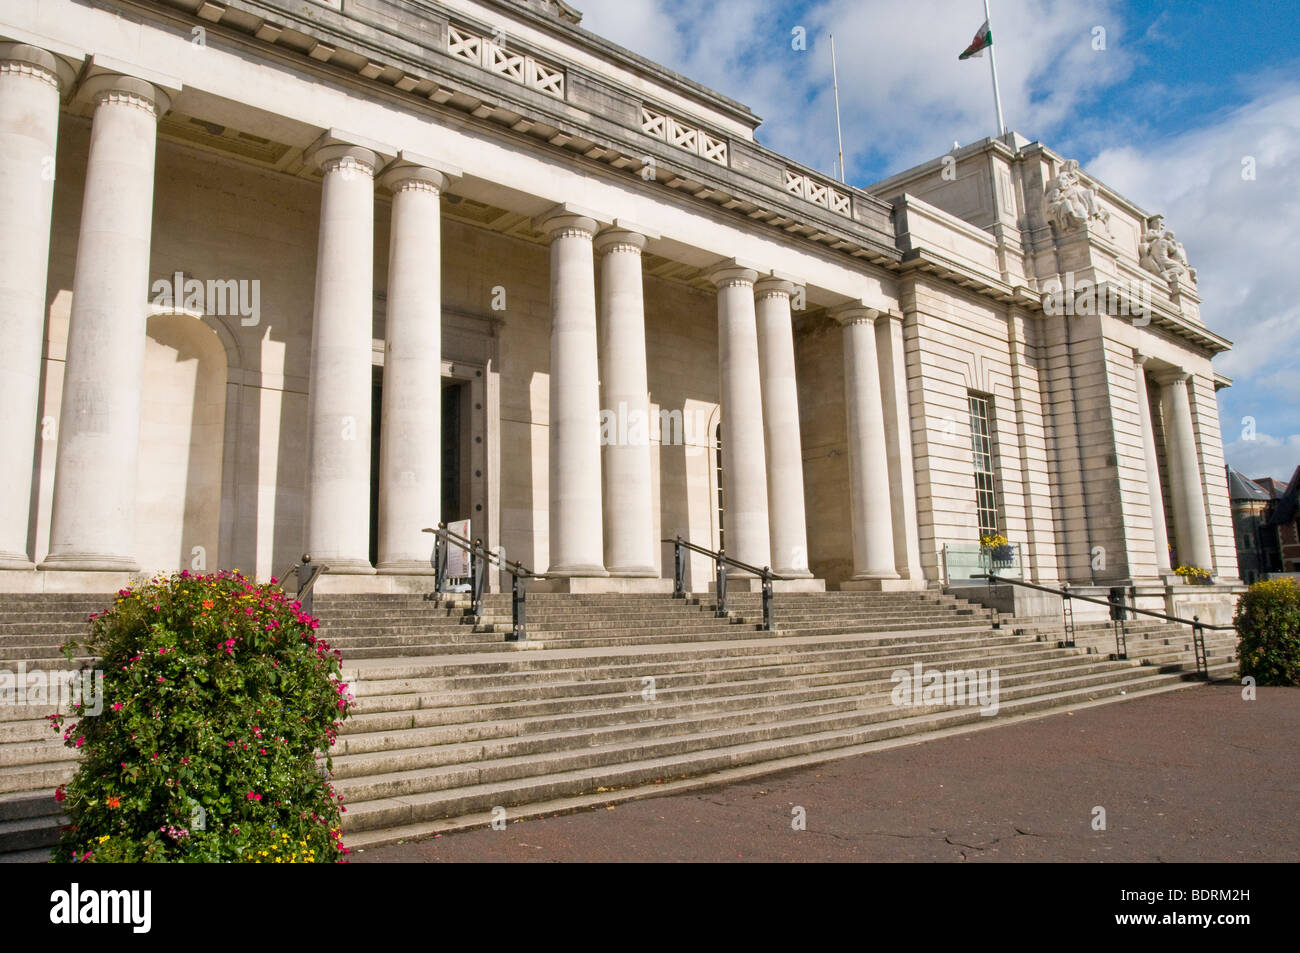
[(207, 603), (114, 802)]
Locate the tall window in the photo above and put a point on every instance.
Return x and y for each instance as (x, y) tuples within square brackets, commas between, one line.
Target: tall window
[(981, 436)]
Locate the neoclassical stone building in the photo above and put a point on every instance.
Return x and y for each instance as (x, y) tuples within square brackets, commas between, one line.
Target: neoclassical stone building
[(287, 275)]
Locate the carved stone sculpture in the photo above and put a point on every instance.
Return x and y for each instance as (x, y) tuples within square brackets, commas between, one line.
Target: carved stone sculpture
[(1070, 203), (1161, 254)]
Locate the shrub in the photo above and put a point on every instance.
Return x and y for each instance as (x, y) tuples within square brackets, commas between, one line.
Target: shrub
[(1268, 626), (219, 707)]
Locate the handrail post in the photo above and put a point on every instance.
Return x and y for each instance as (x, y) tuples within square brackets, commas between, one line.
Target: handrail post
[(440, 559), (679, 569), (307, 582), (478, 572), (1198, 647), (720, 574), (767, 599), (519, 627), (1067, 616)]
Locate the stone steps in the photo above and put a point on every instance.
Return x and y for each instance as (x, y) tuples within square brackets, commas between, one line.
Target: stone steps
[(413, 803), (451, 719)]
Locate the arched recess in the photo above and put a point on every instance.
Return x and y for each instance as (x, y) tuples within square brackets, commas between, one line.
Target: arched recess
[(181, 509)]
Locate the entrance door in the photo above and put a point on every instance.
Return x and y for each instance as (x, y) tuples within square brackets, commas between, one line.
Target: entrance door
[(456, 503)]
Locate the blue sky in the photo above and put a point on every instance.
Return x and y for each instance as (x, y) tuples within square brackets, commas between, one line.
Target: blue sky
[(1165, 113)]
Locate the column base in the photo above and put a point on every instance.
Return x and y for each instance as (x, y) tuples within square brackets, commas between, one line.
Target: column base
[(374, 584), (345, 567), (18, 561), (582, 570), (36, 580), (89, 562), (755, 584), (881, 584), (596, 584), (633, 571), (405, 567)]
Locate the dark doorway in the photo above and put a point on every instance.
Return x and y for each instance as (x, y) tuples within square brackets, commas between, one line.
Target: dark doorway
[(455, 453)]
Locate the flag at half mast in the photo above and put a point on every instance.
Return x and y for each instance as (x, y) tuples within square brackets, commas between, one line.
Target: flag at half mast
[(983, 39)]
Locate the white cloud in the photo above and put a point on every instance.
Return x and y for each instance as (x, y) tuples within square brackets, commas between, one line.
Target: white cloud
[(1265, 456), (904, 95)]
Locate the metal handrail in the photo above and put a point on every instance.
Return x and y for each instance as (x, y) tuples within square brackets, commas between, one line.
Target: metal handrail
[(1198, 627), (480, 558), (305, 584), (720, 562)]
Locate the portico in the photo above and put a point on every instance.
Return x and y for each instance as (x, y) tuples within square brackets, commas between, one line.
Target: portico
[(410, 221)]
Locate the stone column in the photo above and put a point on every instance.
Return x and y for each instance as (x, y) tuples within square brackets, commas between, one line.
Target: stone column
[(869, 491), (898, 446), (785, 495), (410, 430), (29, 123), (744, 468), (1190, 526), (339, 396), (92, 524), (576, 533), (1160, 537), (630, 544)]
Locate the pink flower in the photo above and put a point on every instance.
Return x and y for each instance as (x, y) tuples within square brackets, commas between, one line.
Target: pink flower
[(117, 706), (254, 797)]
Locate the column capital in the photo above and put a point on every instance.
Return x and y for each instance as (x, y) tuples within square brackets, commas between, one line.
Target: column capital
[(37, 63), (1171, 375), (773, 287), (126, 90), (1140, 357), (334, 147), (612, 240), (855, 313), (731, 273), (411, 170), (567, 220), (110, 80)]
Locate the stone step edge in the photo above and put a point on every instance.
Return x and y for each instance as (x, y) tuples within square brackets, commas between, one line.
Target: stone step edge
[(360, 840)]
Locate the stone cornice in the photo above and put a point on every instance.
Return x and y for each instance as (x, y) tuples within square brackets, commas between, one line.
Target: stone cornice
[(426, 74)]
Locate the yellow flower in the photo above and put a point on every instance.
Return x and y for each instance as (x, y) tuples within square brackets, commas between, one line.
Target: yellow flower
[(105, 837)]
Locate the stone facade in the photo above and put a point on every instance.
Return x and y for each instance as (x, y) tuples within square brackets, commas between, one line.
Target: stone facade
[(307, 275)]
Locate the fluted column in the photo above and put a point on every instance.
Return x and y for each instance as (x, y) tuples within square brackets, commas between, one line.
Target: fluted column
[(29, 123), (1191, 529), (92, 525), (869, 492), (410, 430), (576, 534), (628, 493), (898, 446), (339, 396), (1160, 537), (785, 494), (744, 468)]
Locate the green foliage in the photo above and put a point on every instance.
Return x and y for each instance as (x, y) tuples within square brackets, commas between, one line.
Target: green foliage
[(220, 705), (1268, 625)]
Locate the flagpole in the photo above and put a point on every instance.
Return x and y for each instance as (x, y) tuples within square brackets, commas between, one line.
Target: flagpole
[(993, 68), (835, 84)]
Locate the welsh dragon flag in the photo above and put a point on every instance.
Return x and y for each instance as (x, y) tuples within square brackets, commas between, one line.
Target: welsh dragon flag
[(983, 39)]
